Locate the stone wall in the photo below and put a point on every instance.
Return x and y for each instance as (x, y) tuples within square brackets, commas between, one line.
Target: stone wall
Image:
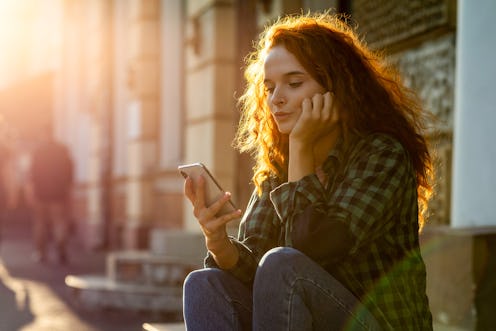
[(144, 83), (419, 38), (210, 78), (429, 69), (386, 23)]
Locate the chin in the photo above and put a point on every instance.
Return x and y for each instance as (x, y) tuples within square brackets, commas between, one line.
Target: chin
[(284, 129)]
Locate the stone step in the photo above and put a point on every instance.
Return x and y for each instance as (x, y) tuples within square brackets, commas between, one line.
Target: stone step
[(164, 327), (188, 245), (143, 267), (144, 280), (96, 292), (172, 255)]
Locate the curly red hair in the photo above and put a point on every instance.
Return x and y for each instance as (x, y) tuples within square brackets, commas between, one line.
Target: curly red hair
[(369, 95)]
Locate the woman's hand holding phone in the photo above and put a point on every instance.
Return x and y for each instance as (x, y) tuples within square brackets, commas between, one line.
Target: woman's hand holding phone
[(212, 225)]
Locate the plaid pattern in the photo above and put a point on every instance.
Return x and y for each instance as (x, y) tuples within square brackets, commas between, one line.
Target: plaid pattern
[(372, 189)]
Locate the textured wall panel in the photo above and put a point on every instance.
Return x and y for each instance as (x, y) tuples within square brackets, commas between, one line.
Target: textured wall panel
[(429, 69), (385, 22)]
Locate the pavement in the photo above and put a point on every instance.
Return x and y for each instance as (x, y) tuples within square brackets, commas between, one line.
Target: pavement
[(34, 297)]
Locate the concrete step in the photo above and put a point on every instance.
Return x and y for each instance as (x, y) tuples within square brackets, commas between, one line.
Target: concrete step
[(172, 255), (143, 267), (188, 245), (164, 327), (143, 280), (96, 292)]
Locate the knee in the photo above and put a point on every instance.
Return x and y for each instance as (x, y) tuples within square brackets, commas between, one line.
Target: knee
[(276, 271), (192, 280), (199, 281), (278, 258), (277, 262), (195, 280)]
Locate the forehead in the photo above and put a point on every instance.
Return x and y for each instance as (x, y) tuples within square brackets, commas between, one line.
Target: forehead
[(280, 61)]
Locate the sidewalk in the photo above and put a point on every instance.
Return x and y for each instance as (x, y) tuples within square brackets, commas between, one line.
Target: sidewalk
[(33, 296)]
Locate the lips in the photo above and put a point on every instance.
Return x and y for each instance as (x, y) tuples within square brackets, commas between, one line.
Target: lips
[(281, 115)]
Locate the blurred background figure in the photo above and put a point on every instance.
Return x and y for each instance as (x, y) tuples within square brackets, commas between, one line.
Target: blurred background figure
[(48, 191), (6, 198), (9, 185)]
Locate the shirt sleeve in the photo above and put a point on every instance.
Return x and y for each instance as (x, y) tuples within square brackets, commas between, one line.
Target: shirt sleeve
[(258, 232), (292, 197), (363, 197)]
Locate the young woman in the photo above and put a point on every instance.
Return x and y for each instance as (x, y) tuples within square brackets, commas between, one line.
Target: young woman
[(329, 240)]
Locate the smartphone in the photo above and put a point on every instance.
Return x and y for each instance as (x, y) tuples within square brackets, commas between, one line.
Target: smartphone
[(213, 191)]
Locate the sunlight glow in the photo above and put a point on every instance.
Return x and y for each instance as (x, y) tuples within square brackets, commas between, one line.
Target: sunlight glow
[(29, 37)]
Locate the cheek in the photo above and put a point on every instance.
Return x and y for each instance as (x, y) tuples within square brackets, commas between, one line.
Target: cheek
[(299, 100)]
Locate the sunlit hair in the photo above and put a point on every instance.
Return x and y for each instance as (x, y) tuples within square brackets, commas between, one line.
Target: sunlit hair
[(369, 95)]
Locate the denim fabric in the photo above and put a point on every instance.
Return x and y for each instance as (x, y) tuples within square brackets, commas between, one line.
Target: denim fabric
[(214, 300), (290, 292)]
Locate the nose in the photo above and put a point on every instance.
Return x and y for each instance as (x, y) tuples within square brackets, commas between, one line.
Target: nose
[(278, 97)]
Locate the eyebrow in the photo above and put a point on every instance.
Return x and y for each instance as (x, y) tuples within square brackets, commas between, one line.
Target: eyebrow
[(291, 73)]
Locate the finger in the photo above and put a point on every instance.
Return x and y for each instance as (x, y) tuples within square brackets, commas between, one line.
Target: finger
[(200, 192), (217, 205), (334, 111), (306, 106), (189, 189), (317, 102), (214, 224), (327, 107)]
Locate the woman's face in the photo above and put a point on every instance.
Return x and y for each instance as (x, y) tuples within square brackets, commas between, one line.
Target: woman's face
[(287, 84)]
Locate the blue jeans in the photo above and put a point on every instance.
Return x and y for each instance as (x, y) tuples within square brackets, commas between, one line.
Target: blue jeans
[(290, 292)]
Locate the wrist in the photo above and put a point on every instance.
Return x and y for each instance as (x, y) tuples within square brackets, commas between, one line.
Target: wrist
[(301, 160), (218, 244), (300, 152), (224, 253), (298, 144)]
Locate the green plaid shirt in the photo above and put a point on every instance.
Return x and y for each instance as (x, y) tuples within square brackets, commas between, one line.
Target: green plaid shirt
[(372, 189)]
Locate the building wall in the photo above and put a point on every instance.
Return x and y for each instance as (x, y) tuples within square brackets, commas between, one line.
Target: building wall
[(120, 98), (82, 97), (171, 70), (419, 38), (210, 75), (168, 185)]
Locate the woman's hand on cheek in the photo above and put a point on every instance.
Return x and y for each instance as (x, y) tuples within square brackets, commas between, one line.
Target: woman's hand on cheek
[(318, 118)]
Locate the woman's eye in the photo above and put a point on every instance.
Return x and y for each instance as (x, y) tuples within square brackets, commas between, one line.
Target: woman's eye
[(269, 90), (295, 84)]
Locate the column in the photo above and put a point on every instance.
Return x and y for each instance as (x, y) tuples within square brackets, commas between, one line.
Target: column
[(210, 85), (142, 112), (474, 161)]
